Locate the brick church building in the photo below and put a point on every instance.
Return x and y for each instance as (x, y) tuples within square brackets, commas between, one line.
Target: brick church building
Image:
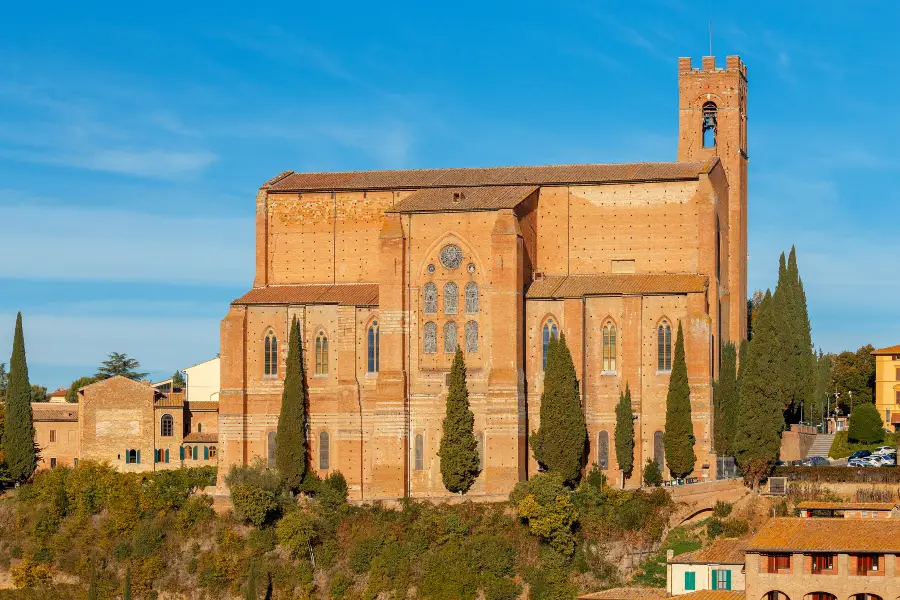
[(389, 271)]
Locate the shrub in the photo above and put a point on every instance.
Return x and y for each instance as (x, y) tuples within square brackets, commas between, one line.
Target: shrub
[(545, 504), (197, 510), (148, 538), (499, 588), (296, 531), (736, 527), (340, 583), (714, 528), (446, 574), (332, 494), (29, 574), (362, 553), (722, 509), (652, 474), (261, 541), (866, 425), (253, 503)]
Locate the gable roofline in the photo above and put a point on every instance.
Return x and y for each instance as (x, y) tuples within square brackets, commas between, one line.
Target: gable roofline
[(416, 179)]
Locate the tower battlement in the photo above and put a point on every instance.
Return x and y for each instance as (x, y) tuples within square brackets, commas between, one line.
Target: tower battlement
[(708, 63)]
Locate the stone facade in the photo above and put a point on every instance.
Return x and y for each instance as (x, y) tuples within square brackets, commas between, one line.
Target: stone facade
[(387, 272), (130, 425)]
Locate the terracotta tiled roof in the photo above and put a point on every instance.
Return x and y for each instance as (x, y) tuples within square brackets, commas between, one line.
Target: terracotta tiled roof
[(627, 593), (202, 405), (536, 175), (345, 294), (722, 552), (170, 400), (827, 535), (492, 197), (576, 286), (54, 411), (202, 438), (714, 595), (811, 505), (57, 393), (888, 350)]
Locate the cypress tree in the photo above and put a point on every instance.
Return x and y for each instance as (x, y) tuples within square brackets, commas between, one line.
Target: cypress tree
[(803, 359), (458, 449), (290, 448), (679, 433), (760, 418), (783, 305), (725, 394), (625, 435), (126, 592), (18, 442), (251, 582), (559, 443)]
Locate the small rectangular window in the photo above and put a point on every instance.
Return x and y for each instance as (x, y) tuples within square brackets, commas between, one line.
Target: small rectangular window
[(52, 462), (690, 581), (52, 435), (897, 374), (897, 396)]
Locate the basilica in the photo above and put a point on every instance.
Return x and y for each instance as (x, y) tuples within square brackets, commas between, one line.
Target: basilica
[(388, 272)]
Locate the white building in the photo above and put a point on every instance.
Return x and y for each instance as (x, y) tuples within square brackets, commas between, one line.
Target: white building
[(202, 381), (719, 566)]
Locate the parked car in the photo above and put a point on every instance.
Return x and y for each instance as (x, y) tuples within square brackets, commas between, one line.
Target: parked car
[(884, 449), (857, 462), (859, 454), (871, 461), (816, 461)]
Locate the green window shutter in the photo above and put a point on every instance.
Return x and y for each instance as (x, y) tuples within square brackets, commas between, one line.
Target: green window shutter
[(715, 579), (167, 455), (181, 453), (139, 456), (690, 581), (728, 579), (196, 453), (205, 452)]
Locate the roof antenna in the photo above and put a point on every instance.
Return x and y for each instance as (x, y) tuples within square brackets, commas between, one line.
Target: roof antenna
[(710, 37)]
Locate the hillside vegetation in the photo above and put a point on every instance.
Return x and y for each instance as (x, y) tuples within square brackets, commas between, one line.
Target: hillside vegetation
[(70, 530)]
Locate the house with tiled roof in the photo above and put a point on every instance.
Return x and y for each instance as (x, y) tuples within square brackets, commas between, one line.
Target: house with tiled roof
[(824, 559), (848, 510), (887, 385), (719, 566), (389, 272)]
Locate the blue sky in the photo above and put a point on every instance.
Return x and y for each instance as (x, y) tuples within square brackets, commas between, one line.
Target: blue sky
[(133, 140)]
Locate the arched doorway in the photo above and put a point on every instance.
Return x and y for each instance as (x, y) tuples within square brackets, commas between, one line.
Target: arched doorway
[(820, 596), (775, 595), (864, 597)]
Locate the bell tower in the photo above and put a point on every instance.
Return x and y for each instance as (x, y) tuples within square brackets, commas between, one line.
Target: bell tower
[(713, 122)]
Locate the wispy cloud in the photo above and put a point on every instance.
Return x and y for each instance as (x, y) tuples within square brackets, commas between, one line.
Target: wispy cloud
[(51, 241)]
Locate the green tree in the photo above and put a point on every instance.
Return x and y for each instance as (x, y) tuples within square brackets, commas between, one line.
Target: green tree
[(178, 381), (458, 449), (752, 311), (725, 401), (760, 418), (801, 366), (679, 432), (625, 435), (866, 425), (39, 393), (119, 364), (853, 375), (782, 304), (559, 443), (545, 504), (291, 448), (72, 392), (3, 382), (652, 474), (126, 591), (18, 433), (824, 365)]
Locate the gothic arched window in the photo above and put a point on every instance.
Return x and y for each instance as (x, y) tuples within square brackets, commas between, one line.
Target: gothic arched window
[(471, 297), (373, 347), (270, 355), (709, 124), (324, 451), (451, 298), (166, 426), (429, 344), (550, 331), (609, 347), (429, 297), (471, 336), (664, 347), (322, 353), (419, 459), (450, 337), (603, 449)]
